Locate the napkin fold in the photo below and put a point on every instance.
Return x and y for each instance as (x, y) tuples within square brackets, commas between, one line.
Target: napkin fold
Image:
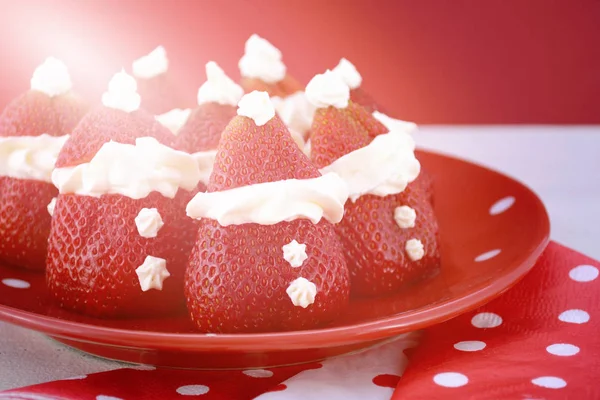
[(537, 341)]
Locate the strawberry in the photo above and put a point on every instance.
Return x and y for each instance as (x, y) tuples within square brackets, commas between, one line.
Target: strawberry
[(283, 88), (24, 218), (378, 251), (262, 69), (98, 256), (203, 129), (237, 277), (154, 83)]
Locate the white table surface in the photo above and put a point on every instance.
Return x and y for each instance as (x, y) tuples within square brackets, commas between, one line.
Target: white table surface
[(560, 163)]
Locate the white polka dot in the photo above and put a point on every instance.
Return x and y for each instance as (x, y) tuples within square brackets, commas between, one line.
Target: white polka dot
[(562, 349), (487, 255), (583, 273), (16, 283), (470, 345), (192, 390), (502, 205), (451, 379), (486, 320), (574, 316), (549, 382), (105, 397), (258, 373)]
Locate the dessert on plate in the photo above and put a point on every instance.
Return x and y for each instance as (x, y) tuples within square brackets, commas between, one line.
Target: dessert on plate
[(267, 257), (350, 75), (33, 129), (155, 85), (389, 231), (198, 131), (120, 239), (262, 69)]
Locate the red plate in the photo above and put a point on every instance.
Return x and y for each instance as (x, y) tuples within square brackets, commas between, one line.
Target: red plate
[(492, 231)]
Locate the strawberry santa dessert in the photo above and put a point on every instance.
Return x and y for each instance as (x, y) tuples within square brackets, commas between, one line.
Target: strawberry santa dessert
[(267, 257), (389, 231), (120, 239), (350, 75), (155, 86), (33, 129), (198, 131)]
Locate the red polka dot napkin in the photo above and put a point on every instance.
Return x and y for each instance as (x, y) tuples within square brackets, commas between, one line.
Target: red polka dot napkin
[(537, 341)]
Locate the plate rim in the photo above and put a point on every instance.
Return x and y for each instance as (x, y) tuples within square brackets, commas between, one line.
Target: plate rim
[(376, 329)]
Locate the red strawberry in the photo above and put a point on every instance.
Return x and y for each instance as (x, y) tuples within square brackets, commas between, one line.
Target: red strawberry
[(24, 218), (262, 69), (155, 85), (374, 243), (285, 87), (95, 247), (237, 277)]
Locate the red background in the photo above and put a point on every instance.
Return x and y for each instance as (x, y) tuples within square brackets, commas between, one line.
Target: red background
[(459, 61)]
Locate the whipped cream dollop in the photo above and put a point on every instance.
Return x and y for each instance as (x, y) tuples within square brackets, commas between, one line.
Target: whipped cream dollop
[(30, 157), (153, 64), (348, 72), (205, 161), (148, 222), (272, 202), (295, 111), (395, 124), (52, 78), (122, 93), (328, 89), (219, 88), (175, 119), (51, 206), (383, 167), (258, 106), (262, 60), (415, 250), (294, 253), (302, 292), (152, 273), (130, 170), (405, 217)]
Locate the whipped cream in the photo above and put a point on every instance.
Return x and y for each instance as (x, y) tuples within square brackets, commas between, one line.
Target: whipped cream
[(272, 202), (348, 73), (205, 161), (395, 124), (30, 157), (302, 292), (153, 64), (219, 88), (130, 170), (51, 206), (52, 78), (258, 106), (415, 250), (148, 222), (383, 167), (295, 111), (261, 60), (175, 119), (328, 89), (122, 93), (152, 273), (307, 148), (405, 217), (294, 253)]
